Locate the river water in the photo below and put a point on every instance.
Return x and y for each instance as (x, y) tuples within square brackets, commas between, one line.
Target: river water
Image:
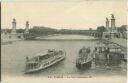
[(14, 56)]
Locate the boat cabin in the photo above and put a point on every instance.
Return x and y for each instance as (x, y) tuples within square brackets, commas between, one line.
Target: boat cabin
[(35, 61), (115, 52), (85, 50), (110, 48), (114, 48), (32, 65), (100, 48)]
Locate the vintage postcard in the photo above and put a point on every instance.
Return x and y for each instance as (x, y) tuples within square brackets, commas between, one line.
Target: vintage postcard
[(63, 41)]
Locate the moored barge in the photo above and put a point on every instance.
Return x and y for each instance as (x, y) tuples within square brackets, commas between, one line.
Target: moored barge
[(84, 59)]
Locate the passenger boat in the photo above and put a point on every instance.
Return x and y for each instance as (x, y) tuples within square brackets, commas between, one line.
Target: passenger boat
[(84, 59), (44, 60)]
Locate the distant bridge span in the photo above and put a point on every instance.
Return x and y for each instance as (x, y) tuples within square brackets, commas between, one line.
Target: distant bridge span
[(66, 37)]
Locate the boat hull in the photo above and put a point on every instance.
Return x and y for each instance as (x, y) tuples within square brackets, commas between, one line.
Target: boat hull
[(43, 67), (84, 66)]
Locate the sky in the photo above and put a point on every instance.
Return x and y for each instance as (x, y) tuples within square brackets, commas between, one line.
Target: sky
[(63, 14)]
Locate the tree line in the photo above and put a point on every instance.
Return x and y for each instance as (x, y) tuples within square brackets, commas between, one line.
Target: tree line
[(42, 31)]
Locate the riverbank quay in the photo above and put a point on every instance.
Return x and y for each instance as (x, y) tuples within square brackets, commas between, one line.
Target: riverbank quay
[(9, 41), (118, 41)]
